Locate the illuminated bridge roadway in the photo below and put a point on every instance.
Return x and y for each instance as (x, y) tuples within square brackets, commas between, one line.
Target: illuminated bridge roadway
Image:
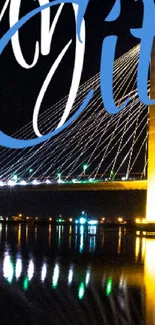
[(98, 186)]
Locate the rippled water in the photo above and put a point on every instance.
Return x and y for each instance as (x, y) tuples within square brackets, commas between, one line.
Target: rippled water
[(76, 275)]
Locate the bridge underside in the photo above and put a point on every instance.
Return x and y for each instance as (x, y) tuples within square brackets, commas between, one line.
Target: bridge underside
[(101, 186)]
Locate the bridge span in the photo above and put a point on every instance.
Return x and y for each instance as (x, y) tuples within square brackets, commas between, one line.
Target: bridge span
[(100, 186)]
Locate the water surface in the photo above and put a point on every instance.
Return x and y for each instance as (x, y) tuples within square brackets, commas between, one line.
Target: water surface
[(76, 275)]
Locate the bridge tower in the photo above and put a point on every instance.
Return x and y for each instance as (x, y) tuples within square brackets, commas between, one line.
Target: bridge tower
[(150, 210)]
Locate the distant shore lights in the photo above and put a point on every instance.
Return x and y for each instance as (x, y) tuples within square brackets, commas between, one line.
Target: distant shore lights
[(83, 220)]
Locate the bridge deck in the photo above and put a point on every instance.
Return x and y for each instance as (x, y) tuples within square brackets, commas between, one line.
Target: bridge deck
[(100, 186)]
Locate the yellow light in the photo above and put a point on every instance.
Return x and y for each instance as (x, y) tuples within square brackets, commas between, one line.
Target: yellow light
[(150, 213), (143, 220), (36, 218), (20, 215), (120, 219), (50, 219), (138, 233), (49, 235), (70, 220), (149, 272), (27, 218), (27, 232), (143, 247), (119, 240), (19, 235), (137, 248), (137, 220)]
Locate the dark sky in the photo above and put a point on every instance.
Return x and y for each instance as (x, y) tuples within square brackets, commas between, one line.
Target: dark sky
[(19, 88)]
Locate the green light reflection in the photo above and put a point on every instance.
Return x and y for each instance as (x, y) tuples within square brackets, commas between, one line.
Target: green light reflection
[(25, 284), (81, 290), (109, 287)]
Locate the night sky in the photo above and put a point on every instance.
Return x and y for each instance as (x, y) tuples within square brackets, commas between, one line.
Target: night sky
[(19, 89)]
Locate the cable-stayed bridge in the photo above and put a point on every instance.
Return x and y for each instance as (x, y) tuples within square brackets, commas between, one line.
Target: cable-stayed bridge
[(97, 151)]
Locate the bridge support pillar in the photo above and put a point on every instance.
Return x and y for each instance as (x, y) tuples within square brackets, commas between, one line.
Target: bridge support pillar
[(150, 210)]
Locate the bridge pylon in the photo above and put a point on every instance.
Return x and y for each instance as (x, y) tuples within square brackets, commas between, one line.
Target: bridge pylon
[(150, 210)]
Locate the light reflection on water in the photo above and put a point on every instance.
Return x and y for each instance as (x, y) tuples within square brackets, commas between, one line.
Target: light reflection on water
[(106, 275), (149, 277)]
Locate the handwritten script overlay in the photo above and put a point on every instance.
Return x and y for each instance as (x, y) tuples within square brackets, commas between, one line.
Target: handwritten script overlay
[(145, 34)]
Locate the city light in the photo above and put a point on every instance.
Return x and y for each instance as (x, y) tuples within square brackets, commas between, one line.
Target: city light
[(92, 229), (47, 181), (15, 178), (120, 219), (82, 221), (85, 166), (35, 182), (60, 220), (92, 222), (11, 183), (140, 220), (112, 174), (23, 183), (59, 178), (60, 181)]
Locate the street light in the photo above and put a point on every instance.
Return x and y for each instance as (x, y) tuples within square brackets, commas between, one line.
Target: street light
[(30, 171), (85, 166), (112, 174), (137, 220), (120, 219), (15, 178), (59, 178)]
